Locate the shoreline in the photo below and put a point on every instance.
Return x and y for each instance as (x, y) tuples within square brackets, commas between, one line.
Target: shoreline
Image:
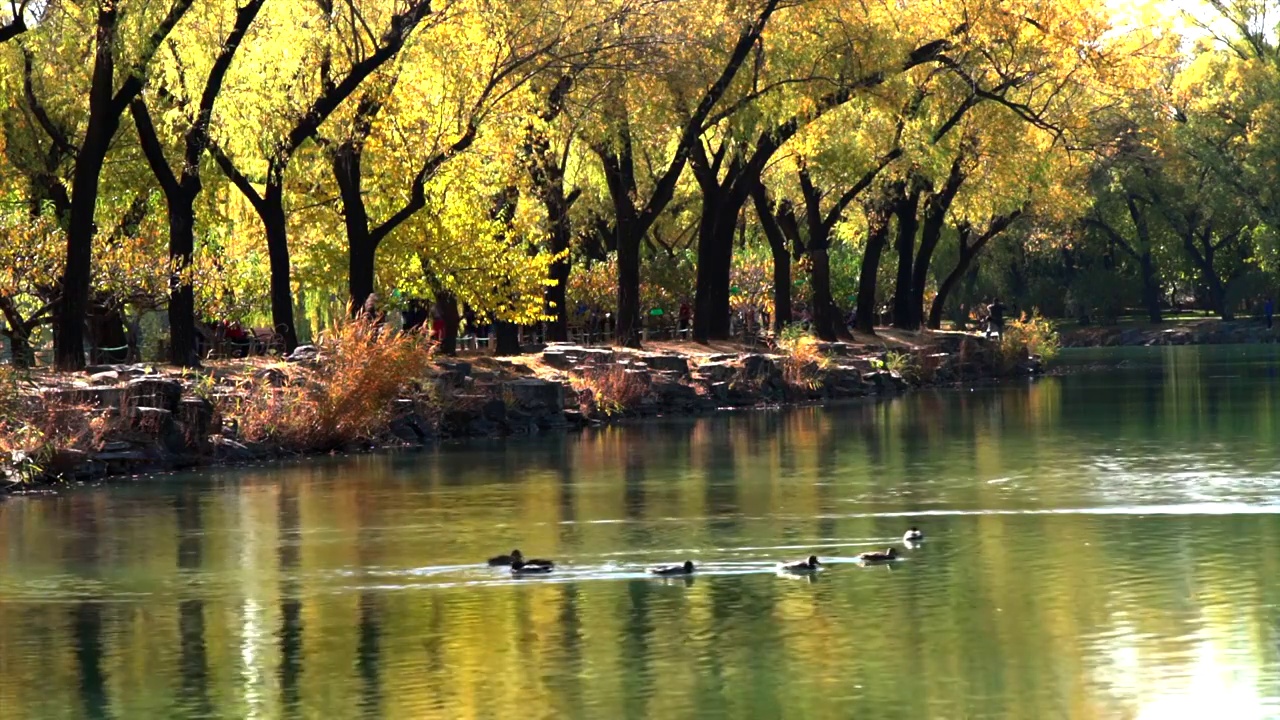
[(159, 420), (1189, 332)]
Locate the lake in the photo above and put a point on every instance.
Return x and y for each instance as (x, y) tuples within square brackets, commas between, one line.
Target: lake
[(1099, 545)]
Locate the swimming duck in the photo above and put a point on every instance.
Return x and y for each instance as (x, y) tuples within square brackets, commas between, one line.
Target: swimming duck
[(685, 569), (524, 568), (503, 560), (912, 535), (879, 557), (809, 564)]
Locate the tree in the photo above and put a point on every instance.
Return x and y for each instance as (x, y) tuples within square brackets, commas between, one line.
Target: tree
[(634, 214), (366, 53), (109, 96), (182, 188), (13, 22)]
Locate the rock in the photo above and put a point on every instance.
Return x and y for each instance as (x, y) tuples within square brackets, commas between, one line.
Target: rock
[(457, 367), (153, 392), (228, 449), (482, 427), (196, 417), (575, 418), (494, 410), (158, 424), (677, 364), (126, 456), (532, 394), (104, 397), (105, 376), (117, 446), (273, 376), (303, 353), (411, 428), (674, 394), (557, 358), (721, 357), (758, 366), (66, 462), (456, 422), (552, 421), (717, 371)]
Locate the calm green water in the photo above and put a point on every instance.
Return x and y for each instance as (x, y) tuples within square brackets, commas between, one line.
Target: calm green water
[(1099, 546)]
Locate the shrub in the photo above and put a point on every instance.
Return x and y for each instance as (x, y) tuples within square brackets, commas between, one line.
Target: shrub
[(347, 395), (1028, 335), (803, 362)]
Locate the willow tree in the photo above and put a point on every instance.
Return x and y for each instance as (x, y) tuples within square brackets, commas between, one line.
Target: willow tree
[(334, 49), (124, 38), (182, 187), (632, 114)]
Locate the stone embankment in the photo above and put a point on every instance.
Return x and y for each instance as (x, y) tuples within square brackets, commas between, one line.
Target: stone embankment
[(159, 422), (1201, 332)]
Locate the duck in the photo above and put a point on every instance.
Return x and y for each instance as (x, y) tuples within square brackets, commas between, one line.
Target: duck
[(517, 557), (878, 557), (912, 535), (504, 560), (809, 564), (523, 568), (685, 569)]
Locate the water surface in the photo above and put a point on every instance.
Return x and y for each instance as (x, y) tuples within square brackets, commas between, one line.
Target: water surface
[(1101, 545)]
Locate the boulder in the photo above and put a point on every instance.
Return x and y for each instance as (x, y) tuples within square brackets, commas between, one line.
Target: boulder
[(534, 394), (677, 364), (157, 424), (196, 416), (67, 462), (494, 410), (717, 371), (674, 396), (105, 397), (557, 358), (303, 353), (153, 391), (229, 450), (411, 428)]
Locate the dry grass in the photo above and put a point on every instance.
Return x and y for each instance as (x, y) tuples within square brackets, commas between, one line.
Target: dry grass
[(803, 362), (610, 389), (346, 396), (33, 430)]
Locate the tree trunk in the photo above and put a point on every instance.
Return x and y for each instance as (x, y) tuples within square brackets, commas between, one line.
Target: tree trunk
[(945, 287), (448, 305), (627, 331), (74, 305), (506, 338), (273, 221), (182, 297), (877, 238), (781, 259), (22, 354), (826, 317), (1150, 288), (361, 248), (903, 292), (715, 267), (557, 295)]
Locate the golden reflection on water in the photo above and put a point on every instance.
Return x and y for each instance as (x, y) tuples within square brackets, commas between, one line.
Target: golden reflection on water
[(1098, 548)]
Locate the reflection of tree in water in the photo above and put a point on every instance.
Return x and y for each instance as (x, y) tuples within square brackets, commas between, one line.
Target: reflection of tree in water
[(289, 524), (193, 663), (87, 634)]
